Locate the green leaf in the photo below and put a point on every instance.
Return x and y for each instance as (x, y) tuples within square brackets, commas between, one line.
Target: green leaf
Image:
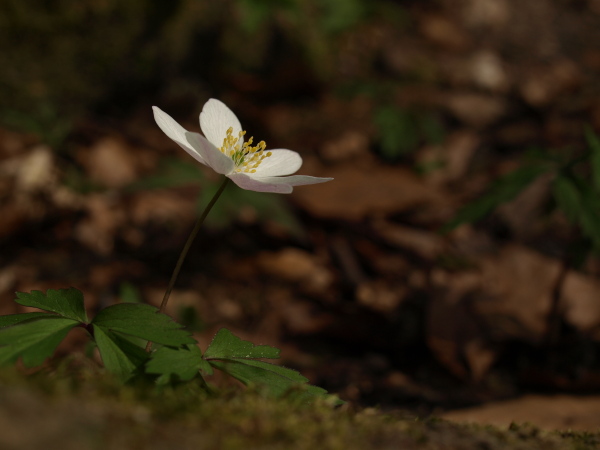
[(13, 319), (594, 144), (590, 215), (338, 15), (181, 363), (237, 358), (143, 321), (227, 346), (568, 197), (576, 198), (119, 355), (66, 302), (502, 191), (276, 380), (128, 293), (33, 340), (398, 131)]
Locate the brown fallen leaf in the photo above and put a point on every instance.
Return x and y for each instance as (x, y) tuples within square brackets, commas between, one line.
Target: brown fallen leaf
[(109, 162), (517, 285), (161, 206), (298, 266), (445, 33), (348, 145), (359, 192), (451, 159), (477, 110), (99, 229), (426, 244), (542, 84), (581, 303), (380, 296)]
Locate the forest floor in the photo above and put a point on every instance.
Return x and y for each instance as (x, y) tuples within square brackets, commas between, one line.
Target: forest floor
[(91, 412), (351, 279)]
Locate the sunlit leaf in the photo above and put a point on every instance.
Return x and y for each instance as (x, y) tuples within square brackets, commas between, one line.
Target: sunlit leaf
[(13, 319), (66, 302), (33, 340), (238, 358), (226, 345), (275, 379), (143, 321), (182, 363)]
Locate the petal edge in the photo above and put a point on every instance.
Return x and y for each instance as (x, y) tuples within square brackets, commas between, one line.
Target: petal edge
[(175, 132), (216, 160), (281, 162), (253, 184), (215, 120)]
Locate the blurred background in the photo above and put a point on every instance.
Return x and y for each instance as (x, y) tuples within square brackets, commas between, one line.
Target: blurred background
[(475, 113)]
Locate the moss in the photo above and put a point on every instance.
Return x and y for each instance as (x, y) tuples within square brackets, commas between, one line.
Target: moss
[(87, 409)]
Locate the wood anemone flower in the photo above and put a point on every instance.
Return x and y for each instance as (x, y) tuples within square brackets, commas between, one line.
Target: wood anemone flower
[(223, 149)]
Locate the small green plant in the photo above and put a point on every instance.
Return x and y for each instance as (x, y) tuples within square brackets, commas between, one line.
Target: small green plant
[(574, 190), (122, 331), (139, 340), (401, 130)]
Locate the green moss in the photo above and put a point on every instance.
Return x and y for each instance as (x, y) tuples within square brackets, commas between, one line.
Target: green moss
[(87, 409)]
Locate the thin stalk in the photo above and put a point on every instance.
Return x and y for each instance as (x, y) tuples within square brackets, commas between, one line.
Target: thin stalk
[(186, 248)]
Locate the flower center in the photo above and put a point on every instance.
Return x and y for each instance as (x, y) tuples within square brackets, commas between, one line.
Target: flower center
[(245, 157)]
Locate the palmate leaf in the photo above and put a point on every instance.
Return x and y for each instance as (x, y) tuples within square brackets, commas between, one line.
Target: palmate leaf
[(120, 356), (245, 368), (66, 302), (275, 379), (13, 319), (238, 358), (182, 363), (143, 321), (33, 340), (226, 345)]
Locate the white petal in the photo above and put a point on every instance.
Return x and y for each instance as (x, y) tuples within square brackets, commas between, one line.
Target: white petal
[(253, 184), (212, 155), (294, 180), (280, 185), (215, 120), (175, 131), (281, 162)]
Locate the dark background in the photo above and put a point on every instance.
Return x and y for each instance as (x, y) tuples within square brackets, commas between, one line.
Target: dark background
[(414, 107)]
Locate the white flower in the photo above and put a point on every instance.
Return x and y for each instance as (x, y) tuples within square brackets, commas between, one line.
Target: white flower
[(223, 149)]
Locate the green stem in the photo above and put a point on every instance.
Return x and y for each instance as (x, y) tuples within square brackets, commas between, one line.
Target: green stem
[(186, 248)]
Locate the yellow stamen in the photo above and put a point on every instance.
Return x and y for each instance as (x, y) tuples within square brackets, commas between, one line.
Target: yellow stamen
[(246, 157)]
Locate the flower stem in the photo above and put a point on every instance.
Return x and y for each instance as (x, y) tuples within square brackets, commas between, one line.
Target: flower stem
[(186, 248)]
